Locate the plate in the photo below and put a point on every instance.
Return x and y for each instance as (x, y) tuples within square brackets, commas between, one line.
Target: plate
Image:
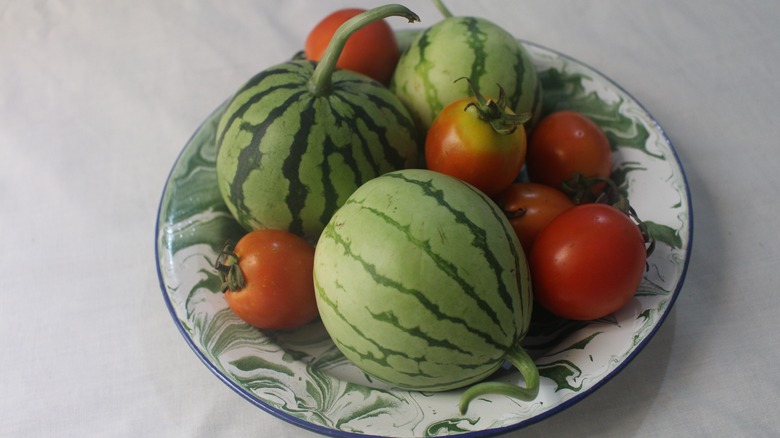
[(302, 378)]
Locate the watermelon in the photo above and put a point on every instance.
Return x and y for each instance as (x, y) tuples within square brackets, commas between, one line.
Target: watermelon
[(470, 47), (421, 283), (298, 138)]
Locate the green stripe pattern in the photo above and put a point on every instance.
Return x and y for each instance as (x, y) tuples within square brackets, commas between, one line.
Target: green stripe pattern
[(420, 281), (288, 159), (469, 47)]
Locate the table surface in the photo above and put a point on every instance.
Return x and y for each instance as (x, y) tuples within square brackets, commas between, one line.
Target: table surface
[(98, 98)]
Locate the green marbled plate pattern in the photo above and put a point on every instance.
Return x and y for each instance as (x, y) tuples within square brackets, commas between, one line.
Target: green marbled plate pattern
[(301, 377)]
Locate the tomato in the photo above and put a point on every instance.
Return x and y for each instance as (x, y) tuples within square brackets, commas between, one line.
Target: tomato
[(372, 50), (564, 143), (588, 262), (273, 288), (462, 142), (530, 207)]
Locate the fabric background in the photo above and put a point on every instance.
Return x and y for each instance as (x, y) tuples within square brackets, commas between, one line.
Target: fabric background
[(98, 98)]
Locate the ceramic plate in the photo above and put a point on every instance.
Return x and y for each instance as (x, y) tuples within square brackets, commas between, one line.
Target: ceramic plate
[(302, 378)]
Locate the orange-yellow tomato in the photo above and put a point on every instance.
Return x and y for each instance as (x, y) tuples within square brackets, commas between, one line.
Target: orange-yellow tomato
[(461, 144)]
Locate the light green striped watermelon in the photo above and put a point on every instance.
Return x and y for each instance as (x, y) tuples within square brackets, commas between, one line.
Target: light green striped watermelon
[(470, 47), (298, 138), (421, 283)]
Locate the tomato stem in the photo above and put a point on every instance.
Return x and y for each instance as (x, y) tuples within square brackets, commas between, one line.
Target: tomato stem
[(580, 190), (320, 81), (525, 364), (503, 120), (229, 270), (516, 213)]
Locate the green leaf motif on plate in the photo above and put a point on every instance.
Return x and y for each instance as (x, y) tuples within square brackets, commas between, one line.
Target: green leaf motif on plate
[(193, 207), (563, 91), (450, 427), (562, 372), (254, 363), (579, 345), (664, 234)]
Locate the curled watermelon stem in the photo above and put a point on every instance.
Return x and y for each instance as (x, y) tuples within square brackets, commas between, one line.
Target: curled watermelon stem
[(525, 364), (320, 81), (229, 271), (442, 8), (496, 112)]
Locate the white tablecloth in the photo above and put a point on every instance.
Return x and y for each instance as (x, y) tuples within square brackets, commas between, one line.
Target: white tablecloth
[(97, 98)]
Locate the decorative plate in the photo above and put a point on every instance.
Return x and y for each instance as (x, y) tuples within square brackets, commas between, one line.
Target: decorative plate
[(302, 378)]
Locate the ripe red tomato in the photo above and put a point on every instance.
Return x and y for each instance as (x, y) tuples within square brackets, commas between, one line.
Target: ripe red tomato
[(588, 262), (372, 50), (530, 207), (276, 268), (460, 143), (564, 143)]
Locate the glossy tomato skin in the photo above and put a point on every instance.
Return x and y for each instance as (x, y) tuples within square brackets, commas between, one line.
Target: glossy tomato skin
[(564, 143), (372, 50), (530, 207), (277, 267), (462, 145), (588, 262)]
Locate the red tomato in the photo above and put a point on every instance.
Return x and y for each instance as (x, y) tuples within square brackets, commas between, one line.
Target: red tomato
[(460, 143), (278, 287), (530, 207), (372, 50), (565, 143), (588, 262)]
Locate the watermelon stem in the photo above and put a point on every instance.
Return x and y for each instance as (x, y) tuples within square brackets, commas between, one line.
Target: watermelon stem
[(525, 364), (442, 8), (320, 81)]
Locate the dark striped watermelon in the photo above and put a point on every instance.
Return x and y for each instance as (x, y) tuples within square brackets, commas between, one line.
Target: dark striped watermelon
[(421, 283), (294, 144), (469, 47)]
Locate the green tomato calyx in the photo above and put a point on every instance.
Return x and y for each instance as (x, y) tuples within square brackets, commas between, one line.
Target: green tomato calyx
[(496, 112), (229, 271), (580, 190)]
